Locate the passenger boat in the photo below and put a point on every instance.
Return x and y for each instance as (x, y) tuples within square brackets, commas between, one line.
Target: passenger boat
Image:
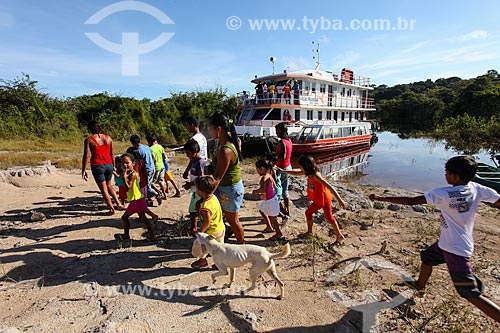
[(324, 137), (333, 105), (488, 175)]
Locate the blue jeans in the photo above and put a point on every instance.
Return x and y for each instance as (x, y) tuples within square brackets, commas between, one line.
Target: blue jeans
[(231, 197)]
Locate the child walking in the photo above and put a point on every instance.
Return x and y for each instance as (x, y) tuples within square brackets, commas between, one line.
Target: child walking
[(137, 201), (211, 215), (196, 169), (319, 191), (118, 175), (458, 204), (269, 207), (170, 178)]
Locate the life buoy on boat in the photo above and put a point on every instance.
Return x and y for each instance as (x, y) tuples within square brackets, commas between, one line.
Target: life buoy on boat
[(246, 137)]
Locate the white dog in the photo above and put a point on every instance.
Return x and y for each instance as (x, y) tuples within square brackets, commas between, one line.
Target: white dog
[(229, 256)]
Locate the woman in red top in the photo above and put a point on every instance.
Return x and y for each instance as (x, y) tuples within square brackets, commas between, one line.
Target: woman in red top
[(98, 150), (284, 154), (319, 191)]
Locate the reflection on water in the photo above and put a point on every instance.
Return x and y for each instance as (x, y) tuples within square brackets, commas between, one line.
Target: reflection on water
[(415, 164), (344, 163)]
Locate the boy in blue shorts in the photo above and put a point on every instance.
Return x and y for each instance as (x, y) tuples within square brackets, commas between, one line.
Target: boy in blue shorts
[(458, 205)]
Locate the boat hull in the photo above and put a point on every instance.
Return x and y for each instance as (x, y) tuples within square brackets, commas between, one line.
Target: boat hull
[(488, 176), (321, 146)]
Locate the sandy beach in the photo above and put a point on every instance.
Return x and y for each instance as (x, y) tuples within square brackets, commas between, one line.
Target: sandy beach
[(62, 271)]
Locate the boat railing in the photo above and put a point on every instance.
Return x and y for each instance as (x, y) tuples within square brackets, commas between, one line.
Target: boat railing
[(308, 98), (267, 123)]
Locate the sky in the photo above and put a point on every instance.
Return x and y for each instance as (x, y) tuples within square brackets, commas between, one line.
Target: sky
[(153, 48)]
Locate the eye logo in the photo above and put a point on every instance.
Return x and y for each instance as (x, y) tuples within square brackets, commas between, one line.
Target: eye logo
[(130, 49)]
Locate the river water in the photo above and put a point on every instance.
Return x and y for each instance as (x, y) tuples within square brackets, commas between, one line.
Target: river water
[(412, 164)]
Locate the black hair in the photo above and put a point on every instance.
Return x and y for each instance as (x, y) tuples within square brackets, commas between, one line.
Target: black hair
[(151, 137), (464, 167), (94, 127), (268, 162), (190, 120), (131, 156), (220, 120), (281, 130), (205, 184), (135, 139), (192, 146), (308, 164), (134, 151)]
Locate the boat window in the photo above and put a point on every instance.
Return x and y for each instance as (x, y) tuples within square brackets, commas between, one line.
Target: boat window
[(320, 115), (297, 114), (274, 115), (346, 131), (335, 115), (361, 116), (313, 86), (342, 116), (328, 133), (343, 92), (335, 132), (309, 114), (322, 87), (307, 85), (328, 115), (308, 133), (349, 92), (260, 114)]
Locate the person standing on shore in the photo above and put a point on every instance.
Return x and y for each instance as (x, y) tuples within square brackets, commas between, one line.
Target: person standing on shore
[(284, 154), (226, 171), (98, 149)]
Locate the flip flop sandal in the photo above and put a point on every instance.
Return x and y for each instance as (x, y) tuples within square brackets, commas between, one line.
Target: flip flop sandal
[(199, 265), (277, 239)]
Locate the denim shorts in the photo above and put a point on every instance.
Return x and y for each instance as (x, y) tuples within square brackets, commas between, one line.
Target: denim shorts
[(102, 172), (230, 197), (284, 178)]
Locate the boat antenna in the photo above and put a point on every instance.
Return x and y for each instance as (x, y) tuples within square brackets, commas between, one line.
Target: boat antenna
[(273, 60), (316, 56)]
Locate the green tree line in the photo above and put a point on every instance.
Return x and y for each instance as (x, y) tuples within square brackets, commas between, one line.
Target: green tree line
[(466, 113), (28, 113)]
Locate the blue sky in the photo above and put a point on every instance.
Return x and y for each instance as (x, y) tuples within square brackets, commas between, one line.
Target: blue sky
[(218, 43)]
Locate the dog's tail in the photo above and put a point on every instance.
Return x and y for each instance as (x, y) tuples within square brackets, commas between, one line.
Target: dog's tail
[(283, 254)]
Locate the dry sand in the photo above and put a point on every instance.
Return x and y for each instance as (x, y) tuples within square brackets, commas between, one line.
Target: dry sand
[(68, 274)]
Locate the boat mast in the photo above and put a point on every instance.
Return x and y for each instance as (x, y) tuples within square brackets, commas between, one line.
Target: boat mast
[(316, 56)]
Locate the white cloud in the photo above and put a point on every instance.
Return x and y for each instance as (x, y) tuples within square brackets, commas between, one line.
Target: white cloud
[(474, 35)]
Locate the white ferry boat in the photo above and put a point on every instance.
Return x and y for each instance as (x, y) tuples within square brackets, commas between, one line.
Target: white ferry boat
[(323, 109)]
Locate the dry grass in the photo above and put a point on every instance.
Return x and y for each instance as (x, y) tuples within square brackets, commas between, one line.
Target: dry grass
[(32, 153)]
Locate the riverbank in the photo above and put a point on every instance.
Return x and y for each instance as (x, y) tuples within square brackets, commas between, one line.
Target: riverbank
[(66, 273)]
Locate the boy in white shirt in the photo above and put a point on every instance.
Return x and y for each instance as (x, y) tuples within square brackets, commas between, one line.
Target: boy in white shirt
[(458, 205)]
